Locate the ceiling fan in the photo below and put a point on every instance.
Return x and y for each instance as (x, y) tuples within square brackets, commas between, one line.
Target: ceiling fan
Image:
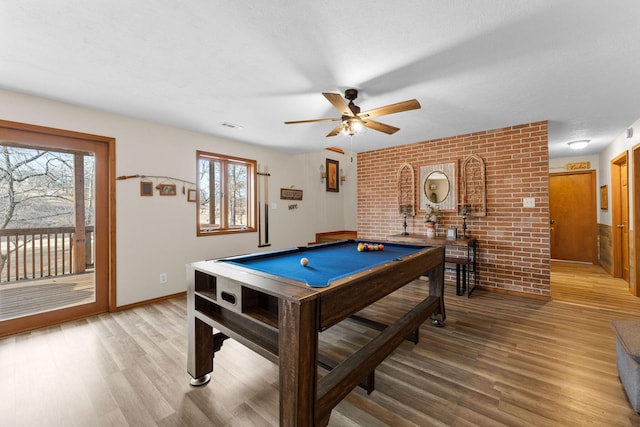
[(353, 121)]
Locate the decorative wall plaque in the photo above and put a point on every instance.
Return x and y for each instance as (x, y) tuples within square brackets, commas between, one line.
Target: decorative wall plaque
[(474, 188), (604, 198), (406, 189), (290, 194), (577, 165)]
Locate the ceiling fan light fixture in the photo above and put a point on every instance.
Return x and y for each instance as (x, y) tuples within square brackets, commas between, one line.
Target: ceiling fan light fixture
[(351, 127), (578, 145), (352, 121)]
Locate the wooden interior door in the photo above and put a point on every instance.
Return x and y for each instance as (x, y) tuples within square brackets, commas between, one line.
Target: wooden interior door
[(635, 201), (624, 220), (572, 208), (620, 215)]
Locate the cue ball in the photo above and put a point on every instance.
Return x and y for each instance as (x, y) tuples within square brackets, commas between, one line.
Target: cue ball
[(304, 262)]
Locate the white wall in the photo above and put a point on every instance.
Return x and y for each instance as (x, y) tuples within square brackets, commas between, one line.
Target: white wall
[(613, 150), (158, 234)]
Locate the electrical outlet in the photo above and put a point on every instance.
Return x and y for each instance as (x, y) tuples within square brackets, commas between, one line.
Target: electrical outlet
[(163, 277), (529, 202)]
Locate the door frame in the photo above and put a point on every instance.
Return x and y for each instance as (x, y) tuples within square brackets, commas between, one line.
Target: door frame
[(616, 213), (635, 202), (34, 134)]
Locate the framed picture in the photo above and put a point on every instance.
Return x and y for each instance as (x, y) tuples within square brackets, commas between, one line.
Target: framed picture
[(146, 188), (333, 180), (290, 194), (452, 233), (191, 195), (604, 198), (167, 189)]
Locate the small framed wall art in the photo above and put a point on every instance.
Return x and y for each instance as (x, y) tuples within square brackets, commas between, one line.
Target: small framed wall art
[(452, 233), (146, 188), (191, 195), (333, 166), (604, 198), (167, 189), (290, 194)]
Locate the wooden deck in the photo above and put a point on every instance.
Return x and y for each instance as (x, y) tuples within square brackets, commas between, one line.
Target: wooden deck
[(28, 297)]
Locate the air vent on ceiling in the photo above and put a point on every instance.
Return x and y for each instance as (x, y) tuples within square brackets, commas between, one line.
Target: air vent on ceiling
[(231, 125)]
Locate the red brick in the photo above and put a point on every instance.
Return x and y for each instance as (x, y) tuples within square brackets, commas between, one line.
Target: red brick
[(514, 241)]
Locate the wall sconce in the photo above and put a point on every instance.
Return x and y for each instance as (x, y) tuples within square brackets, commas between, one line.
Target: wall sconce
[(323, 174), (405, 210), (343, 177)]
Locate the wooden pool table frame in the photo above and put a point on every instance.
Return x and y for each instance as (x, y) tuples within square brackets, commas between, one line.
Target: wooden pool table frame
[(281, 318)]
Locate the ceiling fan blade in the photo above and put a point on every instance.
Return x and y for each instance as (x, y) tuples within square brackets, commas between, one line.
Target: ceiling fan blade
[(336, 130), (338, 102), (313, 121), (381, 127), (412, 104)]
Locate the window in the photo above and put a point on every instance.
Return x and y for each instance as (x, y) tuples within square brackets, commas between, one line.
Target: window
[(226, 194)]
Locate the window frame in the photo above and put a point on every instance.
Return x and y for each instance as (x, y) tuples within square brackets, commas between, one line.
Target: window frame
[(224, 161)]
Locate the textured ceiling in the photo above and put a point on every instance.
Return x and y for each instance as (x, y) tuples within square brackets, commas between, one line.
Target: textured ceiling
[(473, 65)]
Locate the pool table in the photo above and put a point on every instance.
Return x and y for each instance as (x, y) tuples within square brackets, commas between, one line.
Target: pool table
[(276, 306)]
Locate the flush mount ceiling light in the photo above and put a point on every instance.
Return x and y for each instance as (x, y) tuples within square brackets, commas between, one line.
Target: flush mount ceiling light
[(578, 145)]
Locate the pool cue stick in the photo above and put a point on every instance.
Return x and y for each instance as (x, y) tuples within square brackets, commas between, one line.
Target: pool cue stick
[(266, 206), (265, 180), (259, 204)]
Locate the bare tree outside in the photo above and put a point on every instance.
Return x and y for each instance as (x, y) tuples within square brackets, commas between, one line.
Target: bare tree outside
[(212, 193), (37, 191), (237, 185)]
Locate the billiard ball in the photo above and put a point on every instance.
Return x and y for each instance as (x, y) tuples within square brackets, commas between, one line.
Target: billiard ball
[(304, 262), (381, 247)]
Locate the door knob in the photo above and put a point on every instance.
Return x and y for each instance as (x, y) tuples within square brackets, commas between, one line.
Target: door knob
[(552, 222)]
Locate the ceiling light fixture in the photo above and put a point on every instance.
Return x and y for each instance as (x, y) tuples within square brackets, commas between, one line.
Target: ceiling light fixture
[(578, 145), (351, 127)]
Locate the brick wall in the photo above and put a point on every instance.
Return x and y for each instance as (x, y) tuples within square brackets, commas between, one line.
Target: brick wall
[(513, 241)]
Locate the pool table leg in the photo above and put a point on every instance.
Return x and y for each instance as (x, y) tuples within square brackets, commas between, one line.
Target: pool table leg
[(200, 351), (298, 324), (436, 288)]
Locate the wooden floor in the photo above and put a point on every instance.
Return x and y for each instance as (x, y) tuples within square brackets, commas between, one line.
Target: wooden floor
[(500, 360)]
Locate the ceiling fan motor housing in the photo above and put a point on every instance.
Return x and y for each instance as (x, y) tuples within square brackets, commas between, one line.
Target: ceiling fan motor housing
[(351, 94)]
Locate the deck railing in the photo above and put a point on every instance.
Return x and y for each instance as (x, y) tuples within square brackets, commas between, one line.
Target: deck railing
[(33, 253)]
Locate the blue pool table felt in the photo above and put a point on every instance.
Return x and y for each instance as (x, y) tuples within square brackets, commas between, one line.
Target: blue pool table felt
[(327, 263)]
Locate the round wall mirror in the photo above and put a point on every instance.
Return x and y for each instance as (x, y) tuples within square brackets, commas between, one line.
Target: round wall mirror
[(437, 187)]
